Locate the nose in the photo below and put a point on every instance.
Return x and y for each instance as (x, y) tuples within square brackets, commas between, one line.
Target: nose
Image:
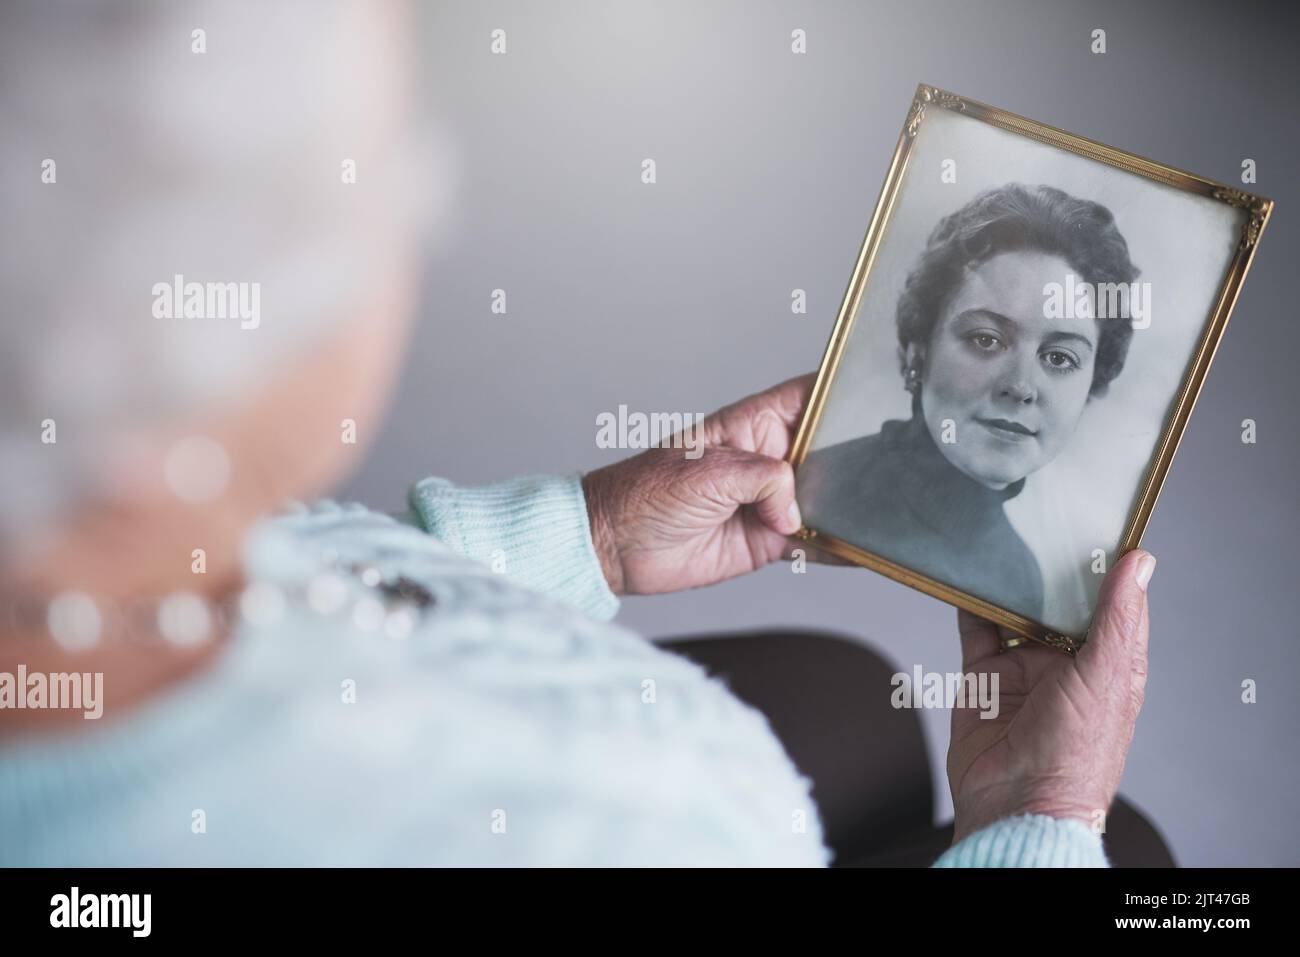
[(1019, 390), (1018, 385)]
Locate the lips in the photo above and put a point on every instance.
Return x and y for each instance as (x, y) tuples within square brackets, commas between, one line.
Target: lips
[(1006, 426)]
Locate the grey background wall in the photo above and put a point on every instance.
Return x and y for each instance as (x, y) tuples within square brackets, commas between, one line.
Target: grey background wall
[(676, 297)]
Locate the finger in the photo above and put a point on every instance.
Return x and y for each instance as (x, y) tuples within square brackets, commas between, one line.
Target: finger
[(789, 398), (813, 554), (1116, 649), (768, 485), (734, 424), (979, 638)]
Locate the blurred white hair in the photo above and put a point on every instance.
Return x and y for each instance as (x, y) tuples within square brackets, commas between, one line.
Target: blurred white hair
[(222, 166)]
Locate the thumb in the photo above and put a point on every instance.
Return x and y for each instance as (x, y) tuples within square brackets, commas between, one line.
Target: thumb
[(979, 638), (767, 483), (1116, 648)]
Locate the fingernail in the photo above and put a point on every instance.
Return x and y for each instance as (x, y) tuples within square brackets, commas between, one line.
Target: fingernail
[(1145, 569), (796, 520)]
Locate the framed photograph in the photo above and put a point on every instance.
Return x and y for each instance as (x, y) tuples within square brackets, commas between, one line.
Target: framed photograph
[(1024, 335)]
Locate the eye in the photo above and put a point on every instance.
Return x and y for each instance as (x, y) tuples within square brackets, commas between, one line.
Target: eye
[(984, 341), (1059, 360)]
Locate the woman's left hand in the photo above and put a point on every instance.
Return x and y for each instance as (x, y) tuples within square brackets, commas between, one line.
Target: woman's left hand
[(662, 522)]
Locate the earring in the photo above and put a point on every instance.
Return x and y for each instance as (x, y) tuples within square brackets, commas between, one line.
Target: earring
[(912, 379)]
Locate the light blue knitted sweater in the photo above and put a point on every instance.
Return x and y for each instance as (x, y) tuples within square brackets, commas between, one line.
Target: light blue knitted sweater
[(507, 722)]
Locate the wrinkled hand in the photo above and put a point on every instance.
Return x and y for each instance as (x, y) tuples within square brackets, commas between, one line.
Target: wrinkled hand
[(662, 522), (1058, 744)]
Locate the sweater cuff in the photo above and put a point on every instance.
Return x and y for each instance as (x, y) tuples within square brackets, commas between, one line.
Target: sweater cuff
[(1028, 840), (533, 529)]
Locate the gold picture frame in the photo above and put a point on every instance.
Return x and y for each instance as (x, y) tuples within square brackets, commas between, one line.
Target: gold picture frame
[(1256, 211)]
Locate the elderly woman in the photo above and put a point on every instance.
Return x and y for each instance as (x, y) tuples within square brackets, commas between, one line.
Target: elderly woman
[(998, 385), (335, 685)]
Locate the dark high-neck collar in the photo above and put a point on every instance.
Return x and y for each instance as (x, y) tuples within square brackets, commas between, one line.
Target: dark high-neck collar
[(940, 491)]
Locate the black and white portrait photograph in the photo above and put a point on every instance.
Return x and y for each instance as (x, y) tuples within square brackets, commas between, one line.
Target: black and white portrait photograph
[(1025, 327)]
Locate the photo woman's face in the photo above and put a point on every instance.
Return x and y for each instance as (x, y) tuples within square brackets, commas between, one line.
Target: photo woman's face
[(1012, 382)]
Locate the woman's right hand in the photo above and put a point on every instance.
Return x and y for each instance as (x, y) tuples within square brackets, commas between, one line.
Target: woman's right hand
[(1062, 731)]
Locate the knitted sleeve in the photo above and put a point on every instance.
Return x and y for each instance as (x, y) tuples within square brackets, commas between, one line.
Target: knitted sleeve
[(1028, 840), (534, 529)]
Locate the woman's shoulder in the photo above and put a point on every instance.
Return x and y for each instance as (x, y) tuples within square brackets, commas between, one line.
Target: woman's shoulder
[(858, 460)]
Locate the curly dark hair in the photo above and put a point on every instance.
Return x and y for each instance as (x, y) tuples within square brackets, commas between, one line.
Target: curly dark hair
[(1017, 217)]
